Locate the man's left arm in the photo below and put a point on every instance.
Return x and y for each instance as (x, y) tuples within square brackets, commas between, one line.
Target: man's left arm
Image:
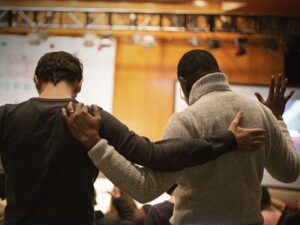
[(167, 155)]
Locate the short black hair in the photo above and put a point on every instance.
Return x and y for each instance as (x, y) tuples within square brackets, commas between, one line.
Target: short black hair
[(56, 66), (197, 61)]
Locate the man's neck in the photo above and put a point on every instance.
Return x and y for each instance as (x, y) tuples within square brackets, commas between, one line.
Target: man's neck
[(59, 91)]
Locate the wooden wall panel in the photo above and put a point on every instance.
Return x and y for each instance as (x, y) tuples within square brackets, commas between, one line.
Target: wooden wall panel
[(144, 83), (143, 89)]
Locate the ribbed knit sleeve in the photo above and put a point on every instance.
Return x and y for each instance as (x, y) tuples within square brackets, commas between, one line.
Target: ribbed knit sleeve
[(140, 183), (283, 161)]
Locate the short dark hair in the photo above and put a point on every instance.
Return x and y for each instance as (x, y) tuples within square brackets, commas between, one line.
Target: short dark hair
[(197, 61), (56, 66)]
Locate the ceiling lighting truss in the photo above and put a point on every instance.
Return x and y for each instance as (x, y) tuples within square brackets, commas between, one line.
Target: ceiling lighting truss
[(95, 19)]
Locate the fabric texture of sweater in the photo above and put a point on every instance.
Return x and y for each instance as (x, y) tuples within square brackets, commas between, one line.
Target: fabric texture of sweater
[(224, 191), (125, 214), (49, 176)]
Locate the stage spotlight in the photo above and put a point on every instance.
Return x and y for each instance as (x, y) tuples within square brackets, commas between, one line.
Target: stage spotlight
[(271, 45), (89, 39), (132, 19), (213, 44), (193, 41), (292, 44), (106, 40), (33, 38), (200, 3), (241, 41), (240, 51), (137, 39), (37, 36), (148, 41)]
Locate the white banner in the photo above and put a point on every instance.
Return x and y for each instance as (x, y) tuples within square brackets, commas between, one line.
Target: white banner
[(18, 60)]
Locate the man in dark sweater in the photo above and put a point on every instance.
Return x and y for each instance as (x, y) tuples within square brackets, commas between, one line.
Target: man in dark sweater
[(49, 175)]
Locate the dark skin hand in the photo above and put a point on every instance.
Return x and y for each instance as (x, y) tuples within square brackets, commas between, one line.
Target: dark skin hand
[(85, 127), (246, 138), (276, 100)]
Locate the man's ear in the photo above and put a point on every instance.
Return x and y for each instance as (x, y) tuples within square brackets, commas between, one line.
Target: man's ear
[(37, 83), (184, 86), (78, 86)]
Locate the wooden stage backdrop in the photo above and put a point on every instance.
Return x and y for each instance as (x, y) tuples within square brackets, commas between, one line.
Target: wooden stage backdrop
[(144, 78)]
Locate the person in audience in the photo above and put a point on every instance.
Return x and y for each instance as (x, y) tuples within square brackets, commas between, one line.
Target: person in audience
[(161, 213), (48, 173), (226, 190), (277, 216), (138, 214), (146, 208), (124, 214), (281, 205), (270, 214)]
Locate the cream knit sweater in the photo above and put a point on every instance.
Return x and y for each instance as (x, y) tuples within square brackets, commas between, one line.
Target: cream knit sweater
[(225, 191)]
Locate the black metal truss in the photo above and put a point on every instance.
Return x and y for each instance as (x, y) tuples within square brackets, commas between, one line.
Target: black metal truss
[(97, 19)]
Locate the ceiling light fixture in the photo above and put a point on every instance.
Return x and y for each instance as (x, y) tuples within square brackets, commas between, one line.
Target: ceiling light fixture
[(241, 41), (89, 39), (271, 45), (137, 39), (106, 40), (37, 36), (193, 40), (213, 44), (200, 3), (148, 41)]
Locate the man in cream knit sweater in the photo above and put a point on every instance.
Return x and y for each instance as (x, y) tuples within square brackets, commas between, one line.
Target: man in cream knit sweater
[(225, 191)]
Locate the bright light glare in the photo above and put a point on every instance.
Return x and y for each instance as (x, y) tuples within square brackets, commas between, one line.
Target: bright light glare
[(200, 3)]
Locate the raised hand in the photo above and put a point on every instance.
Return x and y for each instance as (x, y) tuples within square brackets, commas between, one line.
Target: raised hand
[(276, 100), (245, 137), (84, 126)]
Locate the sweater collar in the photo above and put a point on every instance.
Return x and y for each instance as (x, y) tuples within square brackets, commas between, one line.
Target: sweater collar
[(209, 83)]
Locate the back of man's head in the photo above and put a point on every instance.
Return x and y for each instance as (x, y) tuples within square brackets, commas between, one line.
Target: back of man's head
[(197, 63), (57, 66)]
